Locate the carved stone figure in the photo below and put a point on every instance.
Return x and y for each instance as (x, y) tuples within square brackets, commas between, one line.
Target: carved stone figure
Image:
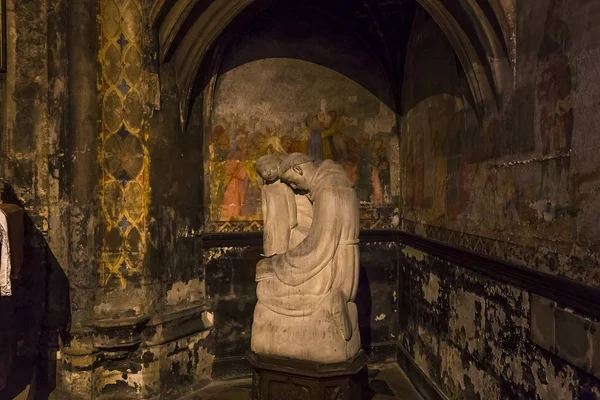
[(287, 215), (278, 207), (306, 293)]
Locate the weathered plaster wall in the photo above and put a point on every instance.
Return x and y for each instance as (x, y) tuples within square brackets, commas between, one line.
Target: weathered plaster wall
[(34, 114), (438, 129), (76, 105), (521, 186), (176, 206), (471, 336)]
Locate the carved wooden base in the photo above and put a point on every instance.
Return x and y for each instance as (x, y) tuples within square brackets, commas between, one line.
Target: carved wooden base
[(277, 378)]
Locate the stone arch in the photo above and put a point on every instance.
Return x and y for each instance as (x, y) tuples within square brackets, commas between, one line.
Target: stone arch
[(187, 29), (484, 60)]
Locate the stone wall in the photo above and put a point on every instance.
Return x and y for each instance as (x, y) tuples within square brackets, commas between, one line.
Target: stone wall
[(110, 274), (521, 186), (471, 336), (37, 174), (524, 179), (116, 191)]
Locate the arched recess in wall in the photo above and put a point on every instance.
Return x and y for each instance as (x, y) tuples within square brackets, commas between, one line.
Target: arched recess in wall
[(188, 30), (482, 55), (271, 88)]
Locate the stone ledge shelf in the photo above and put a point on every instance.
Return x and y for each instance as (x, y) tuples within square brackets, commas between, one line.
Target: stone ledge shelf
[(127, 334)]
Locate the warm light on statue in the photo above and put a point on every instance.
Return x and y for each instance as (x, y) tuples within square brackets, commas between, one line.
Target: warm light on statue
[(307, 287)]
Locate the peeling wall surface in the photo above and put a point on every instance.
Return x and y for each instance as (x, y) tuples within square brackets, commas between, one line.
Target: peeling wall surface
[(471, 336), (521, 187), (141, 215)]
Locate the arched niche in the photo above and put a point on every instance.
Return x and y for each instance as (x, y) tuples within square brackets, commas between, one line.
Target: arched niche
[(208, 43), (189, 29), (278, 89)]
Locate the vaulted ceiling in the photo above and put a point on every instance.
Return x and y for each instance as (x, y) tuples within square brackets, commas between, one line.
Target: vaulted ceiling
[(193, 35)]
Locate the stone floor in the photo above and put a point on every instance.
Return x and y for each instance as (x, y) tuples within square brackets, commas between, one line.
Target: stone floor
[(386, 382)]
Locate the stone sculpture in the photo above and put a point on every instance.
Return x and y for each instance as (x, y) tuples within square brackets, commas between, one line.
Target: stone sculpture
[(307, 285)]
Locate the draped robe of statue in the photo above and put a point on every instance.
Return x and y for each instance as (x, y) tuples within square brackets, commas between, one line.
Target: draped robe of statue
[(306, 295), (287, 217)]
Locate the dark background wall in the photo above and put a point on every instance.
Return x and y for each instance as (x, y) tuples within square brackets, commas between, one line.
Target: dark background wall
[(520, 187), (34, 109)]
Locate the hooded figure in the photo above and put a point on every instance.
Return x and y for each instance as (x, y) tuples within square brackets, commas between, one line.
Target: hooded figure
[(306, 295)]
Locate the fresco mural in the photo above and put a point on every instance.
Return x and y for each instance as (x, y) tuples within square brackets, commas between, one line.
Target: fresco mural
[(450, 181), (555, 82), (296, 106)]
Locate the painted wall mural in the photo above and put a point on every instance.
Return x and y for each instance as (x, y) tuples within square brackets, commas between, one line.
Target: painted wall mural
[(279, 106), (450, 181), (124, 157), (527, 192)]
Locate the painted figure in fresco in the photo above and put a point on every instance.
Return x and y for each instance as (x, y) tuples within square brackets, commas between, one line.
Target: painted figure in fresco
[(214, 138), (256, 148), (236, 180), (555, 104), (218, 173), (315, 143), (333, 147), (222, 148), (301, 141), (287, 144), (440, 127), (364, 187), (554, 85), (324, 141), (459, 192), (274, 146), (418, 170), (352, 156), (380, 170), (306, 296), (393, 157), (257, 145), (461, 169)]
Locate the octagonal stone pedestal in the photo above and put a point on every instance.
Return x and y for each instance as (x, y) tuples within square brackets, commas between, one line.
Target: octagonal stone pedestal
[(276, 378)]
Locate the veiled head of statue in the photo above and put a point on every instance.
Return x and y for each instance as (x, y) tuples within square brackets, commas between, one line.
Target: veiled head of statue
[(293, 170), (268, 167)]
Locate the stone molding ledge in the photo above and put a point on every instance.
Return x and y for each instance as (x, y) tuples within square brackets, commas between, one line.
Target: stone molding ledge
[(115, 338)]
